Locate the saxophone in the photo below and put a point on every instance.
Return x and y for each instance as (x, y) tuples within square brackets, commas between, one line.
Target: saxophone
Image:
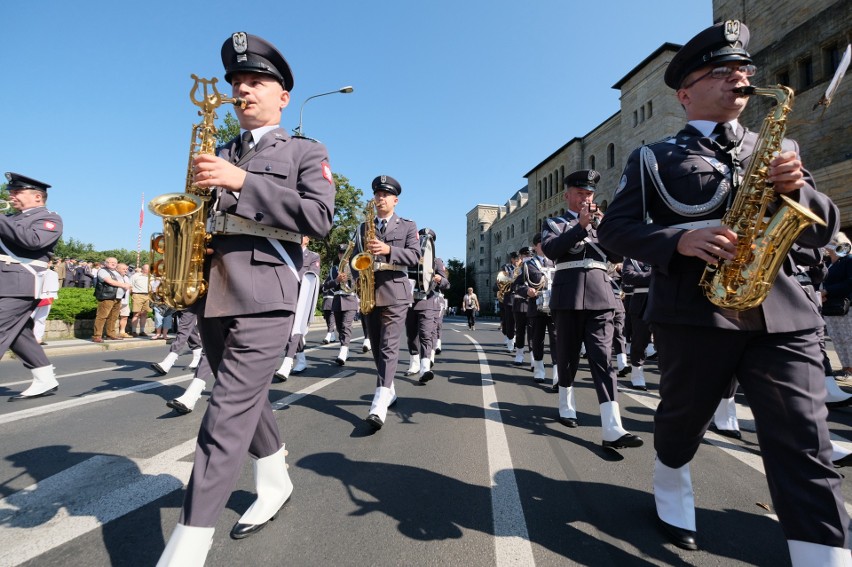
[(343, 268), (762, 246), (179, 250), (363, 262)]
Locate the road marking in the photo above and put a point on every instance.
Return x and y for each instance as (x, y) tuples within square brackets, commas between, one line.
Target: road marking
[(82, 498), (84, 372), (76, 402), (511, 538)]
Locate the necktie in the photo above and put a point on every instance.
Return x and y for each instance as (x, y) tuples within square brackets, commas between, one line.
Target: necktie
[(245, 144), (383, 223), (726, 137)]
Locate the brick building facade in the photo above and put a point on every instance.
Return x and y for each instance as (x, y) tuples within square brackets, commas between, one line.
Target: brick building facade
[(803, 53)]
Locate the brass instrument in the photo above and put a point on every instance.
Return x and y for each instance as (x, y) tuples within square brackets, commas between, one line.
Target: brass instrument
[(184, 239), (5, 206), (762, 246), (842, 249), (363, 262), (504, 282), (343, 268)]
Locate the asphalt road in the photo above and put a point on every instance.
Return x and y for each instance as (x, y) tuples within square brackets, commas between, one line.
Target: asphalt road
[(471, 469)]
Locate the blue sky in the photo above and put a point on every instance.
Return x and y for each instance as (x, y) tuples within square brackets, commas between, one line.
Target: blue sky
[(455, 99)]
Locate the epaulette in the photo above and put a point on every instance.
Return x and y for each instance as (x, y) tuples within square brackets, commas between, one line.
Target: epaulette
[(553, 226), (298, 137), (667, 139), (406, 220)]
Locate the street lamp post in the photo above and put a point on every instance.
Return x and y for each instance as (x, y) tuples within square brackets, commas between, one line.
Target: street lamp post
[(298, 130)]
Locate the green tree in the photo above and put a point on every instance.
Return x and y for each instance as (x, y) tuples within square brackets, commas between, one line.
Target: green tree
[(455, 273), (348, 213), (228, 129), (73, 248)]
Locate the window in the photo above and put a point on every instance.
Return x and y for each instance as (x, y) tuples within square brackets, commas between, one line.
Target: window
[(482, 249), (482, 238), (539, 191), (635, 118), (481, 262), (642, 114), (610, 155), (561, 176), (650, 109), (591, 162), (806, 73), (523, 223), (830, 59), (783, 77)]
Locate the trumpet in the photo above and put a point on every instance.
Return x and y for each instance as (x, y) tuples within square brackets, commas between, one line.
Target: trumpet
[(842, 249), (5, 206)]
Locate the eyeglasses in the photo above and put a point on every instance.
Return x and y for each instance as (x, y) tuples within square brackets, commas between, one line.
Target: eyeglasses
[(724, 73)]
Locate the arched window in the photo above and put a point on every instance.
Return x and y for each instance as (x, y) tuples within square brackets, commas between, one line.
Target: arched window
[(561, 177), (592, 162), (539, 190), (610, 155)]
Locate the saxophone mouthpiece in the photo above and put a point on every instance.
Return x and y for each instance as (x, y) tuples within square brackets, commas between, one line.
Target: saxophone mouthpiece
[(241, 102), (747, 91)]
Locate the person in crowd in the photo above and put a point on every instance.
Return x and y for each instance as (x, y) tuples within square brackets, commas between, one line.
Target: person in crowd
[(124, 312), (534, 284), (83, 275), (294, 354), (139, 285), (27, 240), (420, 319), (672, 221), (110, 290), (327, 300), (70, 273), (395, 248), (470, 306), (276, 188), (518, 304), (507, 314), (582, 303), (59, 266), (344, 303), (836, 292), (619, 321)]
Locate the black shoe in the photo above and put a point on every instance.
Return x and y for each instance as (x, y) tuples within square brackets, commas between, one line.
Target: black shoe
[(516, 363), (732, 433), (42, 343), (364, 350), (20, 397), (428, 375), (325, 341), (628, 440), (178, 406), (437, 351), (340, 362), (624, 372), (540, 380), (554, 389), (159, 369), (242, 531), (374, 421), (640, 388), (278, 378), (684, 539), (569, 422)]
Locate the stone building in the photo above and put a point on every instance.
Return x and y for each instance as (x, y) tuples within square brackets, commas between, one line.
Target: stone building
[(802, 53)]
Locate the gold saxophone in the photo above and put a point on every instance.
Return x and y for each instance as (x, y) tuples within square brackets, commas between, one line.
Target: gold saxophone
[(343, 268), (184, 239), (363, 262), (762, 245)]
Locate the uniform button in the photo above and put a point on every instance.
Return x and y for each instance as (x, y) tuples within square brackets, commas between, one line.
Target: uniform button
[(258, 217), (268, 167)]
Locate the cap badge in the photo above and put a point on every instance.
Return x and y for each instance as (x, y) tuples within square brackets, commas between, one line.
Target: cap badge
[(384, 178), (592, 174), (240, 42), (732, 31)]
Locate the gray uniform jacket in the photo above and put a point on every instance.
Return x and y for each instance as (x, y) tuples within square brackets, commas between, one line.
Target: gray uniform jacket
[(392, 287), (289, 185), (340, 301), (310, 262), (637, 275), (689, 177), (32, 234), (565, 240), (431, 302)]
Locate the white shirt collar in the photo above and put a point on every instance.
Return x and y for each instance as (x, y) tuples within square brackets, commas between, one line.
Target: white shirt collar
[(706, 127), (258, 133)]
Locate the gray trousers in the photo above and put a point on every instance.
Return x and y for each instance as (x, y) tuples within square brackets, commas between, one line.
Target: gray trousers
[(243, 353), (16, 331), (782, 377), (385, 326), (541, 325), (420, 332), (343, 323), (594, 329), (187, 332)]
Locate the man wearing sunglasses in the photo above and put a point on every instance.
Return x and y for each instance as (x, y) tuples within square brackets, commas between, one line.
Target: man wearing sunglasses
[(667, 212)]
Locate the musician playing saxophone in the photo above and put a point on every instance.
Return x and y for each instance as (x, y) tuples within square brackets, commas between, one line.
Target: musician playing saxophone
[(277, 188), (344, 303), (772, 349), (395, 248), (533, 282)]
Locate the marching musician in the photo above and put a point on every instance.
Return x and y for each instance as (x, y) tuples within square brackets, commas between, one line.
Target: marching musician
[(637, 275), (273, 188), (507, 315), (327, 300), (395, 248), (344, 302), (534, 284), (420, 324), (27, 240), (673, 222), (582, 303), (294, 355), (519, 308)]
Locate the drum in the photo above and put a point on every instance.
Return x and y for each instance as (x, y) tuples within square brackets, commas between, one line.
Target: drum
[(421, 275)]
